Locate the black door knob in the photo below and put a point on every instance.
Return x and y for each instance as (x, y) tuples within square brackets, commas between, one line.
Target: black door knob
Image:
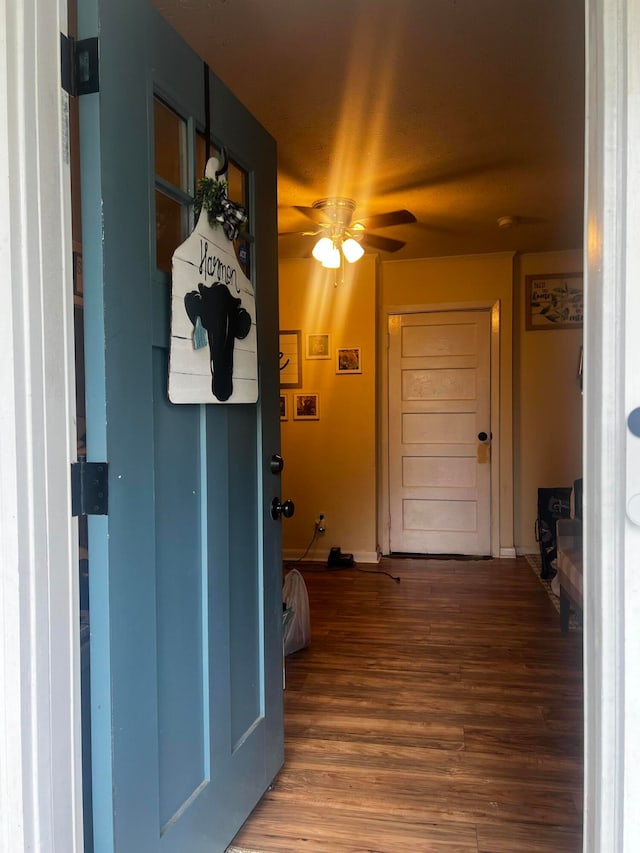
[(482, 436), (278, 509), (633, 422), (276, 464)]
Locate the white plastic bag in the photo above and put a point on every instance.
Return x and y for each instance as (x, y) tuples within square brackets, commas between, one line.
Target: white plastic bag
[(297, 628)]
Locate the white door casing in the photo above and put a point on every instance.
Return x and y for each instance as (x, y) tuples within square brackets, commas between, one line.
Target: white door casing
[(611, 455), (40, 765), (439, 405)]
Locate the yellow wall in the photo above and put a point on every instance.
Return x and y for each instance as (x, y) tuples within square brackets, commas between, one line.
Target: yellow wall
[(548, 421), (330, 464), (334, 465), (469, 278)]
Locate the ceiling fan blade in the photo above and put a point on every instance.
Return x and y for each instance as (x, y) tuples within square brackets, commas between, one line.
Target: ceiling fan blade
[(384, 220), (431, 177), (385, 244), (530, 220), (314, 214), (300, 233)]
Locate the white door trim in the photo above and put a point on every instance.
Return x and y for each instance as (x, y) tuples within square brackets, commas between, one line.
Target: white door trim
[(612, 388), (383, 423), (40, 769)]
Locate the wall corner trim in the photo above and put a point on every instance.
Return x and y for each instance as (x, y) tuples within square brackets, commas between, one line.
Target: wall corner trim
[(508, 553)]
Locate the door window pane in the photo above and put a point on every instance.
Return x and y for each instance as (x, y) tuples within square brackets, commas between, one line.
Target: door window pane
[(170, 146), (236, 177), (171, 229), (237, 184), (237, 190)]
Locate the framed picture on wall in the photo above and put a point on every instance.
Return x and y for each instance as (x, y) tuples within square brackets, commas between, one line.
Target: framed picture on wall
[(348, 360), (306, 407), (284, 407), (318, 345), (554, 301), (290, 358)]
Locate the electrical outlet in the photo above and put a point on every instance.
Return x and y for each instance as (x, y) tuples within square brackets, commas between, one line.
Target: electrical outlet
[(321, 523)]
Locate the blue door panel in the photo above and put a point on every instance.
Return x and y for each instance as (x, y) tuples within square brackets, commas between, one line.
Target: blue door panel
[(250, 144), (180, 564), (185, 574), (172, 71), (119, 382), (245, 600)]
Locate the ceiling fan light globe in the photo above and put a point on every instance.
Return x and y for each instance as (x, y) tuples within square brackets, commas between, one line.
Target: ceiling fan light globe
[(352, 250), (322, 249), (332, 260)]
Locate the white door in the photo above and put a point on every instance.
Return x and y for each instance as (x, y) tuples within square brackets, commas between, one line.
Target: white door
[(440, 433)]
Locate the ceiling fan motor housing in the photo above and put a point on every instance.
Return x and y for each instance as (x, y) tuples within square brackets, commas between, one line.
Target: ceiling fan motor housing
[(337, 210)]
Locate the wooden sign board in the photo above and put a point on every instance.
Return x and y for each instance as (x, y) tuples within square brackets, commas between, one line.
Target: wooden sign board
[(212, 305)]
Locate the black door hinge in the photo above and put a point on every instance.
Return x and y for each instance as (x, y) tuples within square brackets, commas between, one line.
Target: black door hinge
[(89, 488), (80, 66)]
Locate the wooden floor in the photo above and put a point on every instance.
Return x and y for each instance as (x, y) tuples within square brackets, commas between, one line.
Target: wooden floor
[(441, 713)]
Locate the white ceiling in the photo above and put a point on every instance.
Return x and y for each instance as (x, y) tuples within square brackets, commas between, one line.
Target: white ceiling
[(461, 111)]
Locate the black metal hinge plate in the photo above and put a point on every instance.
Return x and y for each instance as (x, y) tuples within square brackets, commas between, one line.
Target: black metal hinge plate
[(80, 65), (89, 488)]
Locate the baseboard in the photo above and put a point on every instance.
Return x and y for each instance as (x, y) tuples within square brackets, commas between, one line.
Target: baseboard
[(522, 551), (290, 556), (366, 557), (508, 553)]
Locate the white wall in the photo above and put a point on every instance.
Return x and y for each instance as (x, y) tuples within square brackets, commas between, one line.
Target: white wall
[(330, 464), (548, 402)]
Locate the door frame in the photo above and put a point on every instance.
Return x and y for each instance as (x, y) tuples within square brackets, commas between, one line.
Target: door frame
[(493, 309), (39, 729), (41, 768), (612, 388)]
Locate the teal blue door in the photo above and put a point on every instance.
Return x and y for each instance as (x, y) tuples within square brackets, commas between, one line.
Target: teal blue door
[(185, 570)]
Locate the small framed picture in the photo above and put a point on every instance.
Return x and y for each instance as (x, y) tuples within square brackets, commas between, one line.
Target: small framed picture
[(348, 360), (284, 407), (290, 357), (318, 345), (306, 407)]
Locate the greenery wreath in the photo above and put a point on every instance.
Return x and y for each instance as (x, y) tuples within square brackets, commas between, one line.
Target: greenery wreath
[(210, 194)]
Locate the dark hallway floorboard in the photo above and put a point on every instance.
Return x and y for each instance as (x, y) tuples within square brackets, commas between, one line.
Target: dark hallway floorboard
[(441, 713)]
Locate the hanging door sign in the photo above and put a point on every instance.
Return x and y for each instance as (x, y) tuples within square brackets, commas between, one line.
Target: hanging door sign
[(213, 356)]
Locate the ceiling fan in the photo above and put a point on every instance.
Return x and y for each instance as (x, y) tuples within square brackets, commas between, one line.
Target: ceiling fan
[(340, 236)]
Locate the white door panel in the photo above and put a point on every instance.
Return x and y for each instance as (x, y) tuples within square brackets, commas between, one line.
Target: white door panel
[(439, 384), (439, 472), (438, 339), (437, 428), (439, 402)]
